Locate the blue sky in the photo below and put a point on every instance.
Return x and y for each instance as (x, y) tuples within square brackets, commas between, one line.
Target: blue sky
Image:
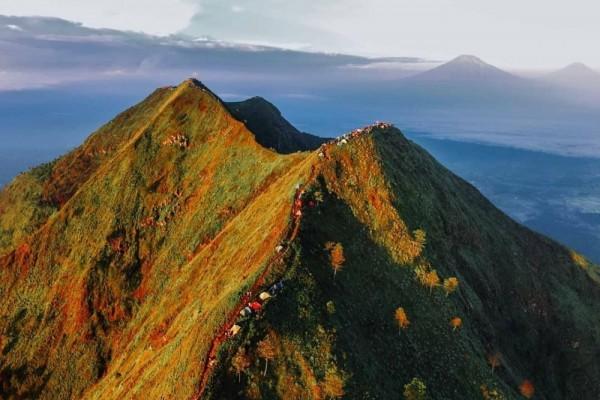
[(509, 33)]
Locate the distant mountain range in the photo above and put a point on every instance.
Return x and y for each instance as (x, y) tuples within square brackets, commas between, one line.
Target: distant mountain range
[(73, 77)]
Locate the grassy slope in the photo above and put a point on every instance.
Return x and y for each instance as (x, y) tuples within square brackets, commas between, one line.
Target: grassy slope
[(121, 290), (33, 196), (521, 294), (128, 281)]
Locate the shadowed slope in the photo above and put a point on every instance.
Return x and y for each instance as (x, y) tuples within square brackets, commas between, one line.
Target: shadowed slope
[(524, 301), (270, 128)]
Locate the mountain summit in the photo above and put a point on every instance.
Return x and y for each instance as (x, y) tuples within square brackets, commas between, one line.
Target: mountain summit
[(172, 255), (465, 68), (576, 75)]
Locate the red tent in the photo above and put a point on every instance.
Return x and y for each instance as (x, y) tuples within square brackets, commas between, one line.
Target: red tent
[(255, 306)]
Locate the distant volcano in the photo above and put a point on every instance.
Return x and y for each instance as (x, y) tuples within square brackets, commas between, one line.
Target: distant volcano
[(466, 68), (577, 75)]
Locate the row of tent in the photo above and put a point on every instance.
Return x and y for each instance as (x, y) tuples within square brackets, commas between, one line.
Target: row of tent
[(254, 307)]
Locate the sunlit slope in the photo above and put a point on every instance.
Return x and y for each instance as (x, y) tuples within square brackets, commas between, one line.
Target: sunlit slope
[(145, 257), (526, 304), (27, 202)]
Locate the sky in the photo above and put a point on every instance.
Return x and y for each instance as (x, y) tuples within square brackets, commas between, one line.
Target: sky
[(509, 33)]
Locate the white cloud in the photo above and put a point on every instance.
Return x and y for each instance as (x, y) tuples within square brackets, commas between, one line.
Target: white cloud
[(159, 17), (509, 33), (14, 27)]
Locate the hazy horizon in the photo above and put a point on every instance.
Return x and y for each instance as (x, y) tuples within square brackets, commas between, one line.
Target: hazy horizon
[(510, 34)]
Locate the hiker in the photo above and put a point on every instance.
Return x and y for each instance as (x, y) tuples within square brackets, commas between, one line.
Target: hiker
[(276, 288), (234, 330), (264, 296), (246, 312), (255, 306)]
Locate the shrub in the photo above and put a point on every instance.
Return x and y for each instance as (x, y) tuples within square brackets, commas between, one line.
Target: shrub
[(415, 390)]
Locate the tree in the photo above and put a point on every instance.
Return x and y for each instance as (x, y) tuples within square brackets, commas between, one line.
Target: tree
[(450, 285), (431, 280), (495, 360), (491, 393), (420, 239), (240, 362), (333, 385), (455, 323), (336, 257), (266, 349), (415, 390), (402, 319), (527, 389), (420, 273)]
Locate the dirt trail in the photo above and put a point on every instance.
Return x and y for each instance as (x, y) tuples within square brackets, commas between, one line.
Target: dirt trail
[(210, 362)]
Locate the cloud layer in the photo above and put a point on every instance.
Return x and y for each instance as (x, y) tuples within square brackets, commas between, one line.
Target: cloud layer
[(41, 52)]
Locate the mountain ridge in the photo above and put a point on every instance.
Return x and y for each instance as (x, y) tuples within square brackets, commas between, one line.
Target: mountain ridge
[(130, 280)]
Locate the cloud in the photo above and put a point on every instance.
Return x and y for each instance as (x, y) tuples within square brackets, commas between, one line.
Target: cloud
[(14, 27), (275, 22), (51, 51), (159, 17)]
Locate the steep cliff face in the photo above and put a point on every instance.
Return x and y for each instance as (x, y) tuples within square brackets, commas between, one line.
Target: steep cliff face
[(149, 239)]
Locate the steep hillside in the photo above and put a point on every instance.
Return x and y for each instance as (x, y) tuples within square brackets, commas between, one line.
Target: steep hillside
[(163, 235), (140, 259), (35, 195), (525, 302), (270, 128)]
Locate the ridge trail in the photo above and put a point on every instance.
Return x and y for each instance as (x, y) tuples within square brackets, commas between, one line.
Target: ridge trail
[(233, 316)]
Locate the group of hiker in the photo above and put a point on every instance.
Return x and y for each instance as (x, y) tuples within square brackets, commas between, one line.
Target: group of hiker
[(347, 137), (254, 307), (177, 140)]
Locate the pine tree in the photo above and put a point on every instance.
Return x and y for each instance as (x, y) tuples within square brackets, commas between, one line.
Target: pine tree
[(336, 257), (455, 323), (402, 319), (432, 280), (266, 349), (240, 362), (495, 360), (527, 389), (450, 285)]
